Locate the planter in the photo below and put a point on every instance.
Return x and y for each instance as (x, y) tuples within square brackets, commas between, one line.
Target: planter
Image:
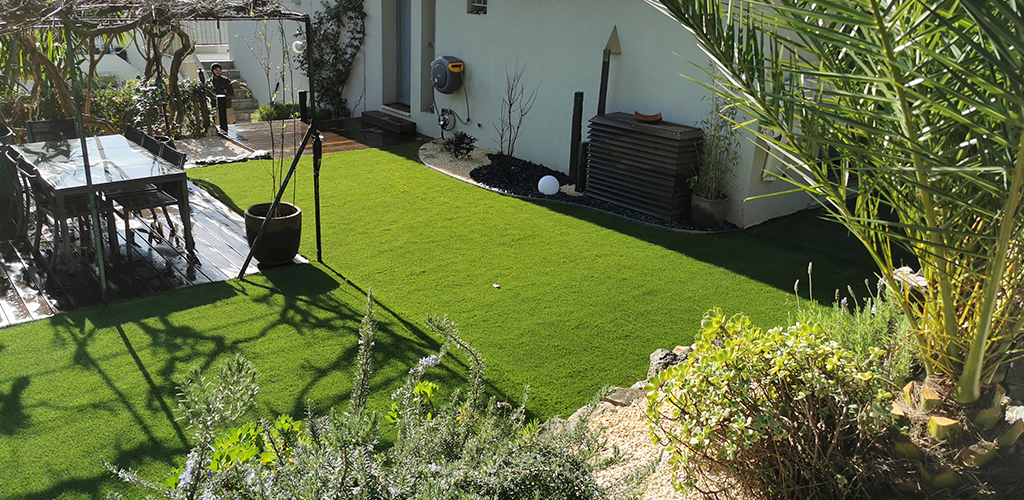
[(708, 213), (280, 241)]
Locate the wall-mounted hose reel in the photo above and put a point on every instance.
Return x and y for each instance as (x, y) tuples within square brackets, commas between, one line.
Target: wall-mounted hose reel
[(446, 71)]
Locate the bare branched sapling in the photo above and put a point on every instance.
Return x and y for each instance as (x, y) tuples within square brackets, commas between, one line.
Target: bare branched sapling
[(515, 104)]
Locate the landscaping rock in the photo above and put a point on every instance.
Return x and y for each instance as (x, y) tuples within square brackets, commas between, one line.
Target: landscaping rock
[(557, 424), (1014, 413), (622, 396), (683, 350), (664, 358)]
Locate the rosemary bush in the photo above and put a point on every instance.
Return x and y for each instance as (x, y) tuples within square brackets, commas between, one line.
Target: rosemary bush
[(468, 448)]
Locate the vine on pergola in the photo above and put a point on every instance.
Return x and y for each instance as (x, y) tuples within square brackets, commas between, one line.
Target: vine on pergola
[(24, 24)]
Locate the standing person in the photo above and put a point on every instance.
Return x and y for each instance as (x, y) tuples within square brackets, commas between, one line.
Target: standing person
[(222, 86)]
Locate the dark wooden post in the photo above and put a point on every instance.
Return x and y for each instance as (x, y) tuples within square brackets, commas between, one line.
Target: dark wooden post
[(303, 115), (222, 112), (577, 135), (602, 96)]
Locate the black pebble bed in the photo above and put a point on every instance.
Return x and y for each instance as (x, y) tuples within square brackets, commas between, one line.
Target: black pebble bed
[(520, 177)]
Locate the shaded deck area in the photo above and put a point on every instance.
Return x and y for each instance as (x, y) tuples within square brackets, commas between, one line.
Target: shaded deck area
[(283, 136), (35, 286)]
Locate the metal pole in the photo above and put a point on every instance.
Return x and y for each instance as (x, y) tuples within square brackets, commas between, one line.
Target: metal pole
[(97, 239), (317, 142)]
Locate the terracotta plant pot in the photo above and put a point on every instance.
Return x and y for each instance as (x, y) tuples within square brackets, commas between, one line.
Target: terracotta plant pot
[(707, 213), (280, 241)]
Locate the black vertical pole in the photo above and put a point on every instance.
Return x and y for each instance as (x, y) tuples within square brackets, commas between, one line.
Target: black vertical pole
[(303, 115), (577, 135), (222, 112), (317, 140), (602, 96)]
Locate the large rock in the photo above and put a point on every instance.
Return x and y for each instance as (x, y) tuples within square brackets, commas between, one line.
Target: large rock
[(664, 358), (623, 396)]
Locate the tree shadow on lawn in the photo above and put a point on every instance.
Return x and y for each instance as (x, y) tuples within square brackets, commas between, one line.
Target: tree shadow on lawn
[(776, 252), (393, 353), (166, 335)]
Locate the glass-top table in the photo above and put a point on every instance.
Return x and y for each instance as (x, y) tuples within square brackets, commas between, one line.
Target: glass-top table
[(116, 164)]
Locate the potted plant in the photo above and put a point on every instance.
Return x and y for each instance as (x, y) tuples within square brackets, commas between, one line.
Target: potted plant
[(280, 241), (719, 155)]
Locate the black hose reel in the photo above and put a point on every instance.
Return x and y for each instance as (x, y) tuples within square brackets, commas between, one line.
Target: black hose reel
[(446, 71)]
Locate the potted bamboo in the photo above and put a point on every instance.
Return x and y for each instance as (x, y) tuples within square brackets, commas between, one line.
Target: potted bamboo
[(719, 154)]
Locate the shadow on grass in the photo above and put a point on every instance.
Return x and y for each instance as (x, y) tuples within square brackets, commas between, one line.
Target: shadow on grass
[(12, 412), (776, 252), (164, 338)]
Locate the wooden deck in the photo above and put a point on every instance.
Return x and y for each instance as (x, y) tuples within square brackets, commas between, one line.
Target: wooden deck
[(339, 135), (35, 286)]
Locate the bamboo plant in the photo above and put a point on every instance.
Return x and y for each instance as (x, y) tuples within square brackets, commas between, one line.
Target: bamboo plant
[(905, 119)]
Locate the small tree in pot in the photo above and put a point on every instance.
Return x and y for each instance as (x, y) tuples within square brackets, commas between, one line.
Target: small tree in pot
[(720, 153)]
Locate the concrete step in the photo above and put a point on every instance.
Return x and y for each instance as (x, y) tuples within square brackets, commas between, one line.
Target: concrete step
[(247, 104), (226, 64), (202, 50), (389, 122)]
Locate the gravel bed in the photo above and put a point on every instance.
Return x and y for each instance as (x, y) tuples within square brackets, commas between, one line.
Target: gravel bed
[(502, 173)]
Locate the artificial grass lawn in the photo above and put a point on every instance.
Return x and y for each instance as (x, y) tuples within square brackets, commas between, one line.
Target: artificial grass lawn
[(584, 298)]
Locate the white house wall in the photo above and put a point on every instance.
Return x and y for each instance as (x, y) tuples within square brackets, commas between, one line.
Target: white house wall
[(560, 44)]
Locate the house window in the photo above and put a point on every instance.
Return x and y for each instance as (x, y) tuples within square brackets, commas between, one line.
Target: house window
[(478, 7)]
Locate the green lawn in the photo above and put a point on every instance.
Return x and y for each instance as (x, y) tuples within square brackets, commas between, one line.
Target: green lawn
[(584, 298)]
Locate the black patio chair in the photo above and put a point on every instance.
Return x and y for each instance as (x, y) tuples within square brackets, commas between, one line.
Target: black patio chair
[(52, 130), (38, 197), (177, 158), (133, 134)]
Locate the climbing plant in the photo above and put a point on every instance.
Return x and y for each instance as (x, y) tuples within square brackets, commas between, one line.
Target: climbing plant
[(340, 30)]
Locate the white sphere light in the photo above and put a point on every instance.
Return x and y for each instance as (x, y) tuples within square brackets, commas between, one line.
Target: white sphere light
[(298, 46), (548, 185)]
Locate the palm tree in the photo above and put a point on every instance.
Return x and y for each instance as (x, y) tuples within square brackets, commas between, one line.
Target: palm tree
[(905, 118)]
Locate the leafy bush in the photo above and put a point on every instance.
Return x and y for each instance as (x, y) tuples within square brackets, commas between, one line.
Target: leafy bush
[(865, 325), (466, 449), (459, 144), (275, 111), (789, 413), (152, 109)]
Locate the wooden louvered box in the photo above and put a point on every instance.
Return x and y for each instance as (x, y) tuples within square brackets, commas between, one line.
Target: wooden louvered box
[(642, 166)]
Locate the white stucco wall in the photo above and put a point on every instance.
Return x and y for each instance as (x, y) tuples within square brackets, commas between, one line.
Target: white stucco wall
[(560, 43)]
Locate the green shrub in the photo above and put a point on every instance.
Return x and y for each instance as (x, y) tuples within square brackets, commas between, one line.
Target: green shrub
[(465, 449), (863, 325), (275, 111), (787, 412)]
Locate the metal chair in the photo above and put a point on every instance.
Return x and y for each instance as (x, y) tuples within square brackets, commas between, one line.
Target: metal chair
[(177, 158), (133, 134), (37, 194), (149, 197), (52, 130)]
